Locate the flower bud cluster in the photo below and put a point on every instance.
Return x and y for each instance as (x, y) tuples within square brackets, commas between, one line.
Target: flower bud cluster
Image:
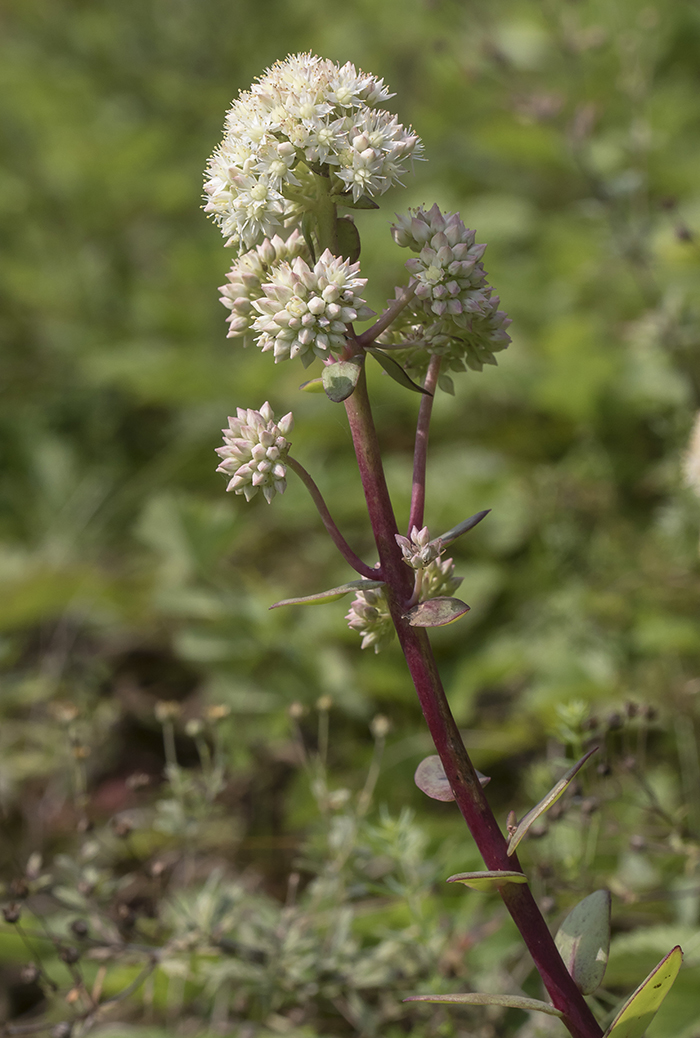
[(306, 312), (454, 312), (246, 278), (304, 116), (369, 613), (254, 452), (419, 551)]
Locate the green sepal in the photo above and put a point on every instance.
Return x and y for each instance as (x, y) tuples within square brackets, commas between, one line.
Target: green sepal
[(314, 385), (481, 998), (464, 527), (396, 371), (641, 1008), (332, 594), (431, 779), (488, 882), (583, 940), (436, 612), (348, 238), (546, 802), (340, 379)]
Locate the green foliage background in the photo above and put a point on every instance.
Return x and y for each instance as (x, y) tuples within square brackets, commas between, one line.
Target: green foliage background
[(568, 135)]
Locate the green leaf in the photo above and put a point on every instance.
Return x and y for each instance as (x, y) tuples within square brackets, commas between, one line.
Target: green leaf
[(641, 1008), (436, 612), (464, 527), (363, 202), (446, 384), (544, 804), (481, 998), (488, 882), (314, 385), (339, 380), (396, 371), (348, 239), (431, 779), (583, 940), (331, 595)]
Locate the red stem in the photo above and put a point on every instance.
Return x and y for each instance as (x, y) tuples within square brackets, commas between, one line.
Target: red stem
[(459, 769)]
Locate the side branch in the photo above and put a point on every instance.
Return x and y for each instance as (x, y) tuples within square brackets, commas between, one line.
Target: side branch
[(341, 544), (390, 314)]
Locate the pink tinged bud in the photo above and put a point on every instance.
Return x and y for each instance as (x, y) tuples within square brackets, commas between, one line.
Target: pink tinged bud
[(454, 306), (439, 308), (477, 251), (439, 292), (444, 255), (317, 305)]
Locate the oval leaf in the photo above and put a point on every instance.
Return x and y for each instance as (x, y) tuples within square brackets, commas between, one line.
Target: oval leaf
[(480, 998), (488, 882), (431, 779), (583, 941), (639, 1010), (544, 804), (436, 612), (461, 528), (339, 380), (330, 595), (348, 238), (396, 371), (314, 385)]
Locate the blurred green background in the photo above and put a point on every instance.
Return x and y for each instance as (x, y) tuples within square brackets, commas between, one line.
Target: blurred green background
[(568, 135)]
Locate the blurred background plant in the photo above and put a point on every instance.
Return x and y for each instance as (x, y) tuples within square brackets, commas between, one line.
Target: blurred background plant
[(221, 861)]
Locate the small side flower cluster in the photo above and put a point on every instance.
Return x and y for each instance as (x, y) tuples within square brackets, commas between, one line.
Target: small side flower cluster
[(306, 312), (369, 615), (304, 116), (454, 312), (419, 551), (254, 452), (435, 578)]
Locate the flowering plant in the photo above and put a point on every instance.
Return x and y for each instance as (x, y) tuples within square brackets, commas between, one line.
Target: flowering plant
[(309, 138)]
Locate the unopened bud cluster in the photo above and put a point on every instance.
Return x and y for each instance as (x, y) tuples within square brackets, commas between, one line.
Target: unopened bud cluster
[(454, 312), (248, 273), (254, 452), (306, 312), (369, 613), (419, 551)]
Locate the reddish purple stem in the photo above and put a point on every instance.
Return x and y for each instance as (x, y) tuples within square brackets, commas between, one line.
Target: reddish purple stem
[(341, 544), (459, 769)]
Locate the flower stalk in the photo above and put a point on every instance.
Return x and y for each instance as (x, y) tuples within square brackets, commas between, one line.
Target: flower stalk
[(459, 769)]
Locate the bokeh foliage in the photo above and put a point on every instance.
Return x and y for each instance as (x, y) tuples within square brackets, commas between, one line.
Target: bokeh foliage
[(567, 134)]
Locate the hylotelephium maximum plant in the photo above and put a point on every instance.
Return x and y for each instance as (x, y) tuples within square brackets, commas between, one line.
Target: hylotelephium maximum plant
[(308, 139)]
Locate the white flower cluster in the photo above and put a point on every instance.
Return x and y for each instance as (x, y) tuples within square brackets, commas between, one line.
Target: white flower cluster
[(454, 312), (305, 312), (419, 551), (305, 115), (369, 613), (246, 278), (254, 452)]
